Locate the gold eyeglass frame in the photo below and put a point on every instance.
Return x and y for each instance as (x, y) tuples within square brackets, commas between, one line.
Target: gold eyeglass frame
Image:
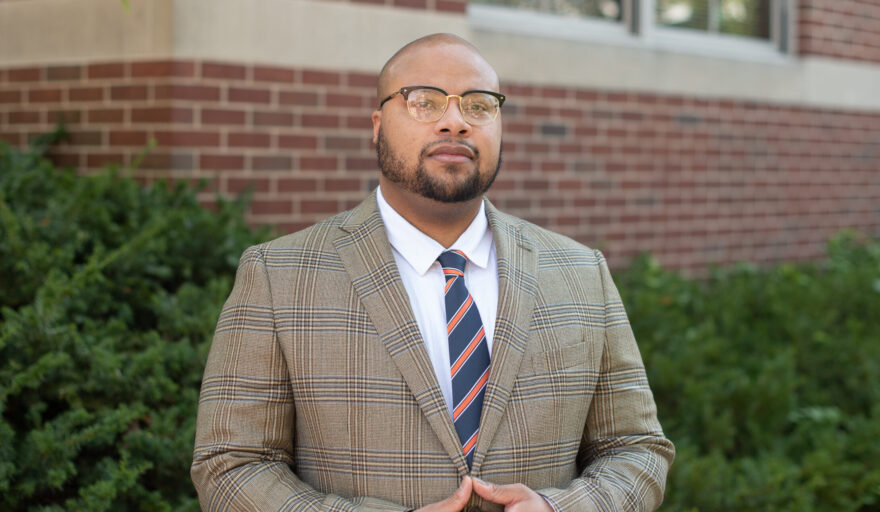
[(404, 92)]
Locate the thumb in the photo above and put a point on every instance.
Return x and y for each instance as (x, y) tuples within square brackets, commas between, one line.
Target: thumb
[(494, 493), (461, 495)]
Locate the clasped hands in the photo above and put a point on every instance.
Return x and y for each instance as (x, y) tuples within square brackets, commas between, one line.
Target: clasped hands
[(514, 497)]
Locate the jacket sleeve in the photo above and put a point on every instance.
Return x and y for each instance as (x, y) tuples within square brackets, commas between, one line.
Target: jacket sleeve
[(623, 452), (244, 433)]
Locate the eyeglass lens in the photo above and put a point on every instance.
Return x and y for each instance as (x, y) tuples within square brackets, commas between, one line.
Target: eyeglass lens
[(428, 105)]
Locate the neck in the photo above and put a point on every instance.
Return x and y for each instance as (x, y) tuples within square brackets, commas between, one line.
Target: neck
[(444, 222)]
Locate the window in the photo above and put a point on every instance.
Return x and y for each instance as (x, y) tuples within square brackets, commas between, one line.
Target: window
[(603, 9), (744, 29), (750, 18)]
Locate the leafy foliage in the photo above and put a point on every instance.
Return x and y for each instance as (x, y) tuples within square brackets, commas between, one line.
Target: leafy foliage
[(110, 294), (766, 380)]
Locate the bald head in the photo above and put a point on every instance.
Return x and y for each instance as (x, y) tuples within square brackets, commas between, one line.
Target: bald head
[(418, 48)]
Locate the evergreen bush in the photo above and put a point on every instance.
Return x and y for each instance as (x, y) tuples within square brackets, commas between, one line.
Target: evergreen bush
[(765, 379), (110, 293)]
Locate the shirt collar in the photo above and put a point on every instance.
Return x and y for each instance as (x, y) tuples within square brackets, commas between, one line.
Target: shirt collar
[(421, 251)]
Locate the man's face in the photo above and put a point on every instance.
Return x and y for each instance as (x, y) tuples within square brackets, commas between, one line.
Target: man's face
[(448, 160)]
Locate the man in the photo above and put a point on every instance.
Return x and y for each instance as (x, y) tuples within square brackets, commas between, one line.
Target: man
[(425, 350)]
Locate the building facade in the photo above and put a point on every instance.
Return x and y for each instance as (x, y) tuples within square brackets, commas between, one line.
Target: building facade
[(704, 131)]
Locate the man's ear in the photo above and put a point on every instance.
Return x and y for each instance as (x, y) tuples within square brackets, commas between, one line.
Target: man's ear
[(377, 122)]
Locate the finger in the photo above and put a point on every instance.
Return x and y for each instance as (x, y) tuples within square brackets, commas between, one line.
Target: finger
[(455, 502), (465, 488), (460, 497), (501, 494)]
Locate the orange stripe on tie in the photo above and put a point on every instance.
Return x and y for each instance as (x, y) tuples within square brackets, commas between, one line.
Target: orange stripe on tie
[(458, 315), (470, 398), (453, 272), (470, 348), (448, 285), (470, 444)]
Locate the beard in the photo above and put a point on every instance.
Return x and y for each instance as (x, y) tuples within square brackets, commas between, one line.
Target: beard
[(420, 181)]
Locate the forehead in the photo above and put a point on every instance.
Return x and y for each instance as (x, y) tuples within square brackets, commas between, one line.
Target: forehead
[(453, 68)]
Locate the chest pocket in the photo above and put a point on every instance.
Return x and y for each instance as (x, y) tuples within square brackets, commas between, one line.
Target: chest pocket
[(565, 374), (550, 401), (559, 359)]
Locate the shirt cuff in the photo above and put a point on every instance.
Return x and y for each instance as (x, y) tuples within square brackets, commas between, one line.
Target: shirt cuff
[(549, 502)]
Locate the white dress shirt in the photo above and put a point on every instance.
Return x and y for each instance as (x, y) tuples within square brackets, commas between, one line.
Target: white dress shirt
[(416, 256)]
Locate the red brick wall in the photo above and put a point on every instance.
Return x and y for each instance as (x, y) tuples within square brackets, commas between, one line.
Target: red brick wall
[(693, 181), (846, 29), (299, 137)]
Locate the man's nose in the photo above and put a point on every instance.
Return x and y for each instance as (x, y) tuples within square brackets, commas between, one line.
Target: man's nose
[(452, 122)]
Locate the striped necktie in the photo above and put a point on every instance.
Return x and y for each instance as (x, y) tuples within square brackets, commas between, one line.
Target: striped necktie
[(468, 352)]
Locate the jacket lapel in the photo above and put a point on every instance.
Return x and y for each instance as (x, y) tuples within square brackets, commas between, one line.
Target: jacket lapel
[(366, 254), (517, 286)]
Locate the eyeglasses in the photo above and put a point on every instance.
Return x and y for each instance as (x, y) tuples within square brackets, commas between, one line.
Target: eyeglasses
[(428, 104)]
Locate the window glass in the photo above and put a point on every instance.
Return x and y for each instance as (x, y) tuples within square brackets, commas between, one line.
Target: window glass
[(604, 9), (745, 18), (683, 13), (741, 17)]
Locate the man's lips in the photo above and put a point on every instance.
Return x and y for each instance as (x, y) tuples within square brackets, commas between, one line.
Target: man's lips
[(452, 153)]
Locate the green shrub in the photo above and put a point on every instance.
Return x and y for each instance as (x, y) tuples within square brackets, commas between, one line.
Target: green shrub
[(767, 381), (110, 293)]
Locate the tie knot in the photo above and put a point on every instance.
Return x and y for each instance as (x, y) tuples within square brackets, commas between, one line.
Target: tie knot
[(453, 259)]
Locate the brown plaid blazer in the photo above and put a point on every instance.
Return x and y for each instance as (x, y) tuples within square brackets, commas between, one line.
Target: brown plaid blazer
[(319, 394)]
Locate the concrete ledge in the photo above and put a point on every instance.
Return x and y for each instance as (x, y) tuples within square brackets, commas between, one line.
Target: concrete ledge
[(67, 31), (302, 33), (357, 37)]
